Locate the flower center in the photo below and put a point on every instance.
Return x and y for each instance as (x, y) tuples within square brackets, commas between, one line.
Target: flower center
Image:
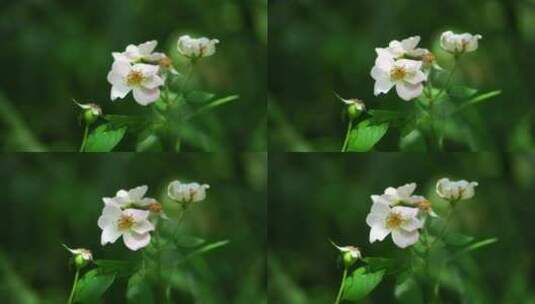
[(398, 73), (393, 221), (155, 207), (125, 222), (428, 58), (134, 78), (424, 205)]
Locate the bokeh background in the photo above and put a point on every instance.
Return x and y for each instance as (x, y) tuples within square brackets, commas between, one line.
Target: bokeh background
[(314, 198), (321, 47), (57, 50), (49, 199)]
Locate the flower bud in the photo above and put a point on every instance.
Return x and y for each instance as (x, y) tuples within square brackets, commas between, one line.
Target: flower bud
[(454, 191), (82, 256), (355, 107), (459, 43), (91, 112), (350, 254), (195, 49), (187, 193)]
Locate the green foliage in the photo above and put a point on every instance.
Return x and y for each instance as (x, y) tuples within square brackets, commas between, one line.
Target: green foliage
[(138, 290), (361, 283), (408, 290), (92, 286), (104, 139), (365, 135)]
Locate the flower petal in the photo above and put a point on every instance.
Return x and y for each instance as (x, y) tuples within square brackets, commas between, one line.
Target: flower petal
[(404, 239), (119, 91), (409, 91), (143, 227), (137, 214), (153, 82), (109, 235), (410, 43), (147, 47), (416, 78), (135, 241), (380, 209), (137, 193), (378, 233), (146, 96), (382, 86)]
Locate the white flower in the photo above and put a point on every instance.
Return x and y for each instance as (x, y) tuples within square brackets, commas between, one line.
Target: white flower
[(140, 53), (196, 48), (459, 43), (405, 74), (187, 193), (402, 222), (132, 224), (403, 195), (406, 47), (455, 190), (85, 254), (142, 79)]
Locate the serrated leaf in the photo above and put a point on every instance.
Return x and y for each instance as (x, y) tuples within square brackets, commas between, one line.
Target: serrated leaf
[(92, 286), (139, 290), (366, 135), (104, 139), (361, 283)]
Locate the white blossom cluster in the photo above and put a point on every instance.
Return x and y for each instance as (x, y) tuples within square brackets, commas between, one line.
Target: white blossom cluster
[(133, 216), (400, 213), (142, 71), (402, 64)]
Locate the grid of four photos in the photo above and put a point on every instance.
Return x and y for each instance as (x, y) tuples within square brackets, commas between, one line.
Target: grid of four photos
[(267, 151)]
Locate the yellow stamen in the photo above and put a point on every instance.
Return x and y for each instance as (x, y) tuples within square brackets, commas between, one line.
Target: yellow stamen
[(134, 78), (125, 222), (398, 73), (393, 221)]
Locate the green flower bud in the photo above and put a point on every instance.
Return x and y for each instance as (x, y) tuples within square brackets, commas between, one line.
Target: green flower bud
[(350, 254), (91, 112), (355, 107), (82, 256)]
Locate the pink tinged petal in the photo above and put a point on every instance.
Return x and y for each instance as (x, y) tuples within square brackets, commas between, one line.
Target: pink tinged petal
[(409, 91), (147, 47), (105, 221), (416, 78), (404, 239), (109, 235), (384, 62), (380, 209), (153, 82), (382, 86), (120, 57), (410, 43), (138, 192), (135, 241), (122, 68), (378, 233), (406, 212), (378, 73), (146, 96), (119, 91), (412, 224), (374, 219), (137, 214), (112, 211), (143, 227), (380, 199), (147, 69)]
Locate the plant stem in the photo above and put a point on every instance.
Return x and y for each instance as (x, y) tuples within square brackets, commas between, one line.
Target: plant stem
[(161, 287), (71, 297), (340, 291), (348, 132), (84, 139)]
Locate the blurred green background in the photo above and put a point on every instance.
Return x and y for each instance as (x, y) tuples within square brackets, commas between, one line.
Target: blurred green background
[(314, 198), (57, 50), (49, 199), (320, 47)]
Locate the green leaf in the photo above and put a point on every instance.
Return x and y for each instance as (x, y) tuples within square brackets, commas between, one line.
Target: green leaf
[(187, 241), (461, 93), (214, 104), (365, 135), (205, 249), (199, 97), (475, 246), (361, 283), (407, 290), (139, 290), (478, 99), (457, 239), (92, 286), (149, 142), (120, 268), (130, 122), (104, 138)]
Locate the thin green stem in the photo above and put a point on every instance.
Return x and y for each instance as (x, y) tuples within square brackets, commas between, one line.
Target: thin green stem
[(348, 132), (84, 139), (71, 296), (341, 290)]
